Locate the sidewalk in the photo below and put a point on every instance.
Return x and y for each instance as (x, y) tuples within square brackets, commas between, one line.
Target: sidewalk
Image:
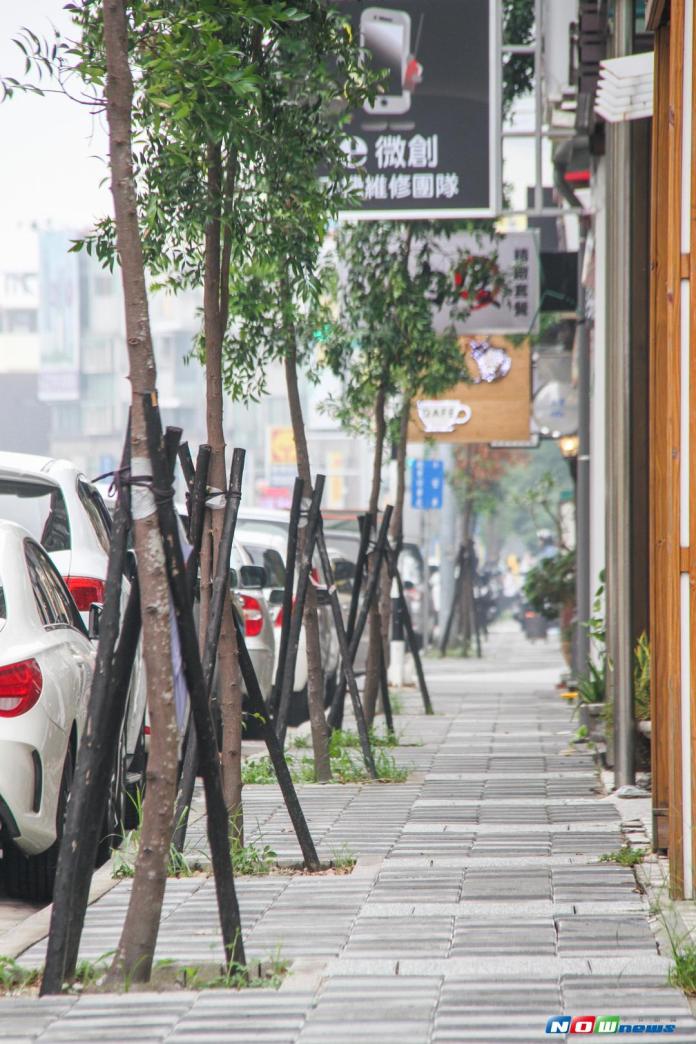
[(477, 909)]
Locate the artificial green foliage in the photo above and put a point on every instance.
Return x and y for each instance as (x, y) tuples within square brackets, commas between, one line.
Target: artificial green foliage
[(550, 584)]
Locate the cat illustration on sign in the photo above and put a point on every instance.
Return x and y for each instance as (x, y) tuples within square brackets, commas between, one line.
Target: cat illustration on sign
[(493, 363)]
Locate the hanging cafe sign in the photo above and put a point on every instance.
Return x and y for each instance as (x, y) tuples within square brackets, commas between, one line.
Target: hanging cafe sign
[(493, 405), (427, 145)]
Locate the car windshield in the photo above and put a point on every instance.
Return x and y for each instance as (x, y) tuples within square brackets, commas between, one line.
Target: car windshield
[(40, 508), (271, 561)]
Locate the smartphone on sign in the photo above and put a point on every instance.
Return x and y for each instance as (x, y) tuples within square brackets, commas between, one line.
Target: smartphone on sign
[(385, 38)]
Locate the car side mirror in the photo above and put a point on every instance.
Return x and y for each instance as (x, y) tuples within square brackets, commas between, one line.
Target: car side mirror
[(95, 614), (234, 579), (252, 576)]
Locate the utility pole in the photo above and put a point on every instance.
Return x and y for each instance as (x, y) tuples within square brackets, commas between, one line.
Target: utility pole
[(619, 631)]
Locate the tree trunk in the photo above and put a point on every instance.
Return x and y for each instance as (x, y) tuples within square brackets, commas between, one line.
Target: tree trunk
[(397, 522), (215, 305), (133, 958), (375, 620), (466, 589), (315, 678)]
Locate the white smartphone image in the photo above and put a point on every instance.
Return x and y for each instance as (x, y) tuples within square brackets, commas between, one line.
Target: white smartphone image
[(385, 37)]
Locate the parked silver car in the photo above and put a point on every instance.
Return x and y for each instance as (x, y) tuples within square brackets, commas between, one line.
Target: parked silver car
[(264, 534)]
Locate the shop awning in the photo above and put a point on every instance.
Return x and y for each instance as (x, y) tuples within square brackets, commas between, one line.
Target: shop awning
[(625, 89)]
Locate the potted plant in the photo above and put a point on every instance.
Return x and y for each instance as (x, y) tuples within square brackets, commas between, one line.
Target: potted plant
[(592, 683), (550, 591)]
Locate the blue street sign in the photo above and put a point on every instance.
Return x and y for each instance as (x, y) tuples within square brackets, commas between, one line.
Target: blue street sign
[(427, 484)]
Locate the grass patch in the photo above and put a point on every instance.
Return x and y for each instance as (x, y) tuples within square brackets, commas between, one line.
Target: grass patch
[(252, 859), (90, 976), (397, 704), (256, 975), (347, 767), (341, 740), (624, 856), (16, 979), (683, 972), (260, 770), (342, 858), (123, 858)]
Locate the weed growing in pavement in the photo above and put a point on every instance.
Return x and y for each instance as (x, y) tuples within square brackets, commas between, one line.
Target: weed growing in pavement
[(252, 858), (340, 740), (259, 770), (683, 971), (346, 766), (267, 974), (346, 761), (397, 704), (342, 858), (302, 742), (14, 978), (124, 857), (89, 973), (626, 856)]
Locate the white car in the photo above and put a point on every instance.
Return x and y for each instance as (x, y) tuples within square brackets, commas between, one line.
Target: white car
[(46, 666), (268, 550), (65, 513)]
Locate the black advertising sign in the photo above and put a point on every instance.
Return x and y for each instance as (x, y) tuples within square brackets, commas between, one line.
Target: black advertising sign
[(427, 146)]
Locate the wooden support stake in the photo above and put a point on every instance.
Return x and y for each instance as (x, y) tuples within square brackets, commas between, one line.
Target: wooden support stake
[(95, 759), (281, 722), (220, 592), (290, 560), (258, 707), (217, 818), (386, 699), (370, 594), (335, 716), (346, 659), (445, 636), (411, 635)]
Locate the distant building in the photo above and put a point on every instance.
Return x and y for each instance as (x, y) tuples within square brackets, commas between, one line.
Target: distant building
[(24, 420), (83, 363)]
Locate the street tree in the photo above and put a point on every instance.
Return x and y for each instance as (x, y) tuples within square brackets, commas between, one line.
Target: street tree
[(96, 64), (380, 334), (311, 77), (477, 477), (236, 108), (181, 100), (196, 117)]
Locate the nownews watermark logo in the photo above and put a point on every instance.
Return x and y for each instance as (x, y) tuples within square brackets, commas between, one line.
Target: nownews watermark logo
[(584, 1024)]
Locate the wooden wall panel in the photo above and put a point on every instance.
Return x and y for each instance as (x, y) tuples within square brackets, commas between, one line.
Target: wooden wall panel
[(671, 577), (690, 260)]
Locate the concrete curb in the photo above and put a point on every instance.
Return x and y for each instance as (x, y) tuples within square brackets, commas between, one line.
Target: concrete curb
[(35, 927)]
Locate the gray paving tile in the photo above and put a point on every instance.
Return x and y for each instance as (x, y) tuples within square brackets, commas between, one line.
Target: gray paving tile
[(485, 912)]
